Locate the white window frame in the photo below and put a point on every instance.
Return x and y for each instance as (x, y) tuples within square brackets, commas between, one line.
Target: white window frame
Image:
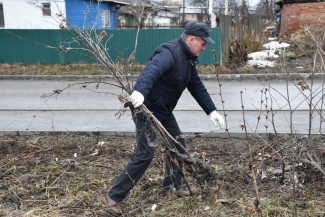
[(106, 18), (46, 9)]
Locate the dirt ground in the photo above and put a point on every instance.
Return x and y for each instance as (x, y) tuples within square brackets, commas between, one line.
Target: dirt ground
[(61, 174)]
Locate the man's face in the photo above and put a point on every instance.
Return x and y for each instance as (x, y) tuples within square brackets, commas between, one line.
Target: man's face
[(196, 44)]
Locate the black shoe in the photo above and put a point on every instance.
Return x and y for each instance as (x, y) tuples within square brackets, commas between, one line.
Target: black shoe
[(176, 193), (113, 207)]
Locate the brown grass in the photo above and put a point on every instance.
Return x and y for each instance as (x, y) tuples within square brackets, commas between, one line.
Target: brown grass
[(40, 175), (90, 69)]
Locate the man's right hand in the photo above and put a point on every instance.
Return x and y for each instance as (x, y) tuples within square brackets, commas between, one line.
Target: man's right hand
[(217, 119), (136, 98)]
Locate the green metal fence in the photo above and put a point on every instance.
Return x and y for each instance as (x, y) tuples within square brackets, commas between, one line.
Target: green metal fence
[(40, 46)]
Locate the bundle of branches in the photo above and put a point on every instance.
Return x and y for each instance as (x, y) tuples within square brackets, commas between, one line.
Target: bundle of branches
[(94, 44)]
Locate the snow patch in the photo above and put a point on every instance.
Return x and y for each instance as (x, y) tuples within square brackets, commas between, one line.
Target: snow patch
[(261, 63), (266, 58), (263, 55), (275, 45)]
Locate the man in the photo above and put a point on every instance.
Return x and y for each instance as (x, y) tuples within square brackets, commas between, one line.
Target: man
[(170, 70)]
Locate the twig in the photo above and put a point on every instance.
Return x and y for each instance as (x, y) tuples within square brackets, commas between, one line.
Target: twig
[(311, 161), (251, 168)]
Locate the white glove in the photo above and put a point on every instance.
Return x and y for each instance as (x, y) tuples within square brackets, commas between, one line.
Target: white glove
[(136, 98), (217, 119)]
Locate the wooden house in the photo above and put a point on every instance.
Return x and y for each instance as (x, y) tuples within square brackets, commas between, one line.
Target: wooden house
[(46, 14)]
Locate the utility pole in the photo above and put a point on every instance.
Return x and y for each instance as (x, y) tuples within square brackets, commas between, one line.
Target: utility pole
[(226, 7), (213, 18), (183, 14)]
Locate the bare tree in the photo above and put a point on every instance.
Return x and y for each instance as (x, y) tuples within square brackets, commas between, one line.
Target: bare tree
[(265, 9)]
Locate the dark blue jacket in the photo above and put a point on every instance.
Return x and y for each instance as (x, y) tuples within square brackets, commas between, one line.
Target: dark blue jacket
[(169, 71)]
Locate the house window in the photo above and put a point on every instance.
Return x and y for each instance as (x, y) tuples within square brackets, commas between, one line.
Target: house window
[(46, 7), (106, 19), (2, 18)]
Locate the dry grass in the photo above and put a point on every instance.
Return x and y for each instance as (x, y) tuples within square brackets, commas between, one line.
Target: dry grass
[(91, 69), (60, 175), (68, 69)]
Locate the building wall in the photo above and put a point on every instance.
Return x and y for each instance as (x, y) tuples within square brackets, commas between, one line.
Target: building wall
[(296, 14), (87, 14), (27, 14)]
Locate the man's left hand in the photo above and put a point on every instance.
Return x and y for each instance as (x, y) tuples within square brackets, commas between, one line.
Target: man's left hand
[(217, 119)]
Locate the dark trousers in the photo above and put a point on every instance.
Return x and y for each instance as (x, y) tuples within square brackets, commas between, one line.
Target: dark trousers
[(143, 156)]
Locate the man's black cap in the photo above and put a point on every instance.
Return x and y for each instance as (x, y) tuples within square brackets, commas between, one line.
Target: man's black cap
[(198, 29)]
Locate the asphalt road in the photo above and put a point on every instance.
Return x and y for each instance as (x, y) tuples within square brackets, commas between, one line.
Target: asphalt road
[(89, 107)]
